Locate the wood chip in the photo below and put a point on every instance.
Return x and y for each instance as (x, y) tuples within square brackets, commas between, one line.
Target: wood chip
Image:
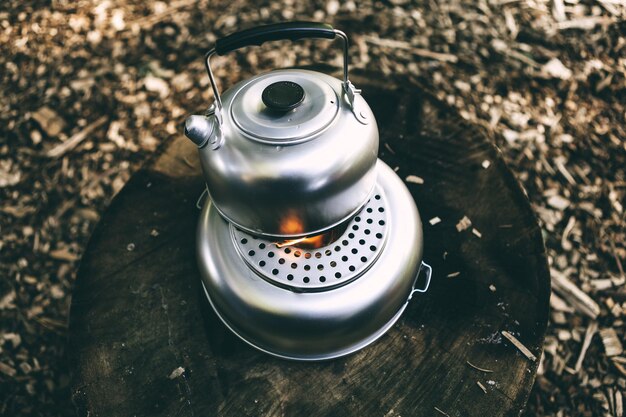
[(481, 386), (395, 44), (7, 369), (49, 120), (488, 371), (486, 164), (434, 221), (414, 179), (519, 345), (442, 412), (463, 224), (388, 147), (454, 274), (558, 11), (612, 344), (76, 139), (591, 330), (64, 255), (574, 295), (476, 233), (177, 372), (558, 202), (585, 23), (558, 304)]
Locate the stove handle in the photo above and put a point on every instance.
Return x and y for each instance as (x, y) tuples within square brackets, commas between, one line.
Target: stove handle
[(428, 270)]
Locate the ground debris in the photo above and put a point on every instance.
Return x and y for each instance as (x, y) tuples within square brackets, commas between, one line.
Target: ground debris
[(176, 372), (414, 179), (574, 295), (488, 371), (612, 344), (434, 221), (519, 345), (463, 224), (481, 386)]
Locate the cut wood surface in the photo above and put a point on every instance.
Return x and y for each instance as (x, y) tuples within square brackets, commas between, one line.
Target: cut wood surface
[(145, 342)]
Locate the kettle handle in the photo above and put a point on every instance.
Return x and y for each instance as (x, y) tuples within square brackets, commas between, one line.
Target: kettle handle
[(273, 32), (277, 31)]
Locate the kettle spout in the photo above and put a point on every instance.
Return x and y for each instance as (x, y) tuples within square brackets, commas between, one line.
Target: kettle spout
[(200, 129)]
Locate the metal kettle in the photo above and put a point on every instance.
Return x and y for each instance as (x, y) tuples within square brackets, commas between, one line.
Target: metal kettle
[(291, 152)]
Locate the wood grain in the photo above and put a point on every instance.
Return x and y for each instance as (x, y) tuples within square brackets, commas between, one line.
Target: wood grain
[(139, 314)]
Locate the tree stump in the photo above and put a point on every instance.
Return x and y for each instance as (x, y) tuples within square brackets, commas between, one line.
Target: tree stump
[(144, 341)]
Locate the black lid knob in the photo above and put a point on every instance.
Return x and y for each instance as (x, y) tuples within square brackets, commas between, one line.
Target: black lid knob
[(283, 96)]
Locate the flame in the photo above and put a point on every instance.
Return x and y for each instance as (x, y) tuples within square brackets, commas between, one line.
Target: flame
[(289, 242), (312, 242), (291, 225)]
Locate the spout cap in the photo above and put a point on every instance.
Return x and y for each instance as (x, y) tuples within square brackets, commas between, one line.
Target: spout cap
[(199, 129)]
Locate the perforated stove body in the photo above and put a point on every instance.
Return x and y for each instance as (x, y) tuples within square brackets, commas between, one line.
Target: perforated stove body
[(313, 303)]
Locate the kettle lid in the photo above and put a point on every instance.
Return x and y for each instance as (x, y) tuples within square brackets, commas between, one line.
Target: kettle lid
[(284, 106)]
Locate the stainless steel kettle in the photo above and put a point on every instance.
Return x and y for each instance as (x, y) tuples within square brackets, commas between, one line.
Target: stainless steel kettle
[(291, 152)]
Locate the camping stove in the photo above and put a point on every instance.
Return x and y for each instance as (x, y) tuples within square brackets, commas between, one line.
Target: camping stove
[(309, 247), (310, 299)]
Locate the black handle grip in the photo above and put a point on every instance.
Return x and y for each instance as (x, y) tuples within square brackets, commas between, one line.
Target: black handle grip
[(273, 32)]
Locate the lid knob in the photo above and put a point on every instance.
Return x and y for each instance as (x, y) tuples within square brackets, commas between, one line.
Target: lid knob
[(283, 96)]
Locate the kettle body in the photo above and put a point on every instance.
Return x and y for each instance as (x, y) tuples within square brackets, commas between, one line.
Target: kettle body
[(288, 153)]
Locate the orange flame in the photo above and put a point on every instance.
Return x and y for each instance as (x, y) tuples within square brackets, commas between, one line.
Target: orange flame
[(311, 242)]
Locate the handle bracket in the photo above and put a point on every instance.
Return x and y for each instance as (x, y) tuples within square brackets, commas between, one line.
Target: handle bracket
[(428, 270)]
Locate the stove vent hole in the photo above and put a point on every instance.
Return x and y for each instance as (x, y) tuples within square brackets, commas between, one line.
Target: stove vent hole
[(322, 279), (306, 280)]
